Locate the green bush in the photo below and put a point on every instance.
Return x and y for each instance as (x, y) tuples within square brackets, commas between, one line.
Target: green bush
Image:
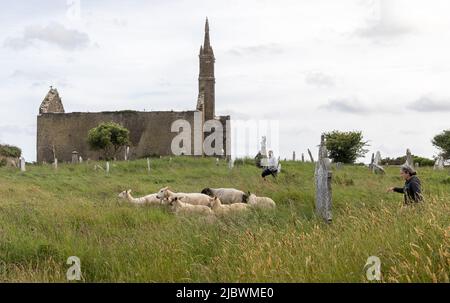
[(10, 151)]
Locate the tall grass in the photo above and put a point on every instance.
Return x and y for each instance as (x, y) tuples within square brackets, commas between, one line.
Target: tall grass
[(47, 216)]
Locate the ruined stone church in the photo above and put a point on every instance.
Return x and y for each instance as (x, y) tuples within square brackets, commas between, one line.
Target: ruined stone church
[(59, 134)]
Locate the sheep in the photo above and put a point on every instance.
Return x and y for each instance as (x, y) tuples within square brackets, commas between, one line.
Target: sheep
[(190, 198), (223, 209), (149, 199), (226, 195), (261, 202), (179, 207)]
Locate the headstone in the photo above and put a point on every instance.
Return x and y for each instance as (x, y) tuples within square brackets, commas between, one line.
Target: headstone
[(409, 158), (107, 167), (377, 159), (338, 165), (80, 159), (230, 163), (293, 156), (303, 157), (372, 161), (22, 164), (127, 152), (148, 164), (74, 157), (264, 161), (55, 164), (323, 177), (310, 156), (417, 164), (217, 161), (439, 164)]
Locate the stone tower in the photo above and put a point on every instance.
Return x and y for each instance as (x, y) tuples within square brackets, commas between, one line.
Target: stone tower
[(52, 103), (206, 79)]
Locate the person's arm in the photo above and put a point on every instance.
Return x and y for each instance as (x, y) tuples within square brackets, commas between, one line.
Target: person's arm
[(400, 190)]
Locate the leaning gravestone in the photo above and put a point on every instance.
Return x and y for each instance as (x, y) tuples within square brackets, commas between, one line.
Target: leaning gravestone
[(378, 169), (323, 177), (310, 156)]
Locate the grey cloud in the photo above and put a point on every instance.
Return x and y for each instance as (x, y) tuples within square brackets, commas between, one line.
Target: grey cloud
[(270, 48), (383, 29), (54, 34), (352, 106), (430, 104), (319, 79)]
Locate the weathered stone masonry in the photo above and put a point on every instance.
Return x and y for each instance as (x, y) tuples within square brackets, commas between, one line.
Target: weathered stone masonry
[(60, 133)]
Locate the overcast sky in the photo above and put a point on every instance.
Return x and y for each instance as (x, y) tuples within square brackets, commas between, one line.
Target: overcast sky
[(382, 67)]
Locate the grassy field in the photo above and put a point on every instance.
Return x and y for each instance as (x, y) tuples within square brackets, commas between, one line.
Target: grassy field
[(47, 216)]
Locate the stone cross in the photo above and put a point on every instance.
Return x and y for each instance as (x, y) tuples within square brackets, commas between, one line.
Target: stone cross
[(263, 146), (409, 158), (22, 164), (74, 157), (310, 156), (323, 177)]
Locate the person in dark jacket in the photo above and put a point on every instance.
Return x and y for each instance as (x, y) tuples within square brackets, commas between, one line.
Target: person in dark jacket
[(412, 190)]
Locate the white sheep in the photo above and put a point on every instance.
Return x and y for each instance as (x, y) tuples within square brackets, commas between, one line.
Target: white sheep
[(190, 198), (179, 207), (223, 209), (149, 199), (226, 195), (261, 202)]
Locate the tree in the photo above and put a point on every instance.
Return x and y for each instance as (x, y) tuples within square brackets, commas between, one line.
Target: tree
[(109, 137), (345, 147), (10, 151), (442, 142)]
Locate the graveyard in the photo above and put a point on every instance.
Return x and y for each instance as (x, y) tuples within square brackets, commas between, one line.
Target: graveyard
[(50, 213)]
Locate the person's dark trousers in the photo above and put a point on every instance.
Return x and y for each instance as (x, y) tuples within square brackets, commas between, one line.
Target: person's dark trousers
[(267, 172)]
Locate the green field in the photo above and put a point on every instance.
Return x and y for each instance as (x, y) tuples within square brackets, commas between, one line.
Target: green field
[(47, 216)]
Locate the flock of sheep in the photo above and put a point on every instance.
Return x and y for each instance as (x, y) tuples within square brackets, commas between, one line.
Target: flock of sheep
[(211, 201)]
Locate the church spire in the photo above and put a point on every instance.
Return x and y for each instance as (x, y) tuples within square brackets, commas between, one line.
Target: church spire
[(206, 44)]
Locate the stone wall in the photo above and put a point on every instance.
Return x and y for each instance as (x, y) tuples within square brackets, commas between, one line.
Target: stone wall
[(150, 133)]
